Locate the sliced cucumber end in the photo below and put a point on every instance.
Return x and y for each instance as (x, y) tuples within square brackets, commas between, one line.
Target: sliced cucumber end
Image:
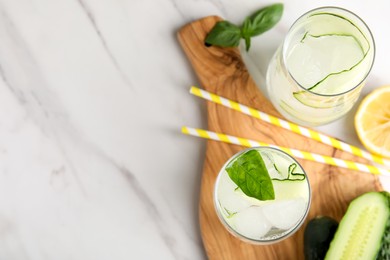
[(361, 230)]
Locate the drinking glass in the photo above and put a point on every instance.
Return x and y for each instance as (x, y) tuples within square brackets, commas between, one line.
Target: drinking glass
[(264, 221), (318, 72)]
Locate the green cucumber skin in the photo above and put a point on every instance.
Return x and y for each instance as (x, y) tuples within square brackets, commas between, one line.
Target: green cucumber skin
[(368, 216), (384, 251)]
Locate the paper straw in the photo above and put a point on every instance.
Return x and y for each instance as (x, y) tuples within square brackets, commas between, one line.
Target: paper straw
[(289, 126), (293, 152)]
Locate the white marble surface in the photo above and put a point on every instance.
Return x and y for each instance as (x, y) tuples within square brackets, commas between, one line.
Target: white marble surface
[(93, 94)]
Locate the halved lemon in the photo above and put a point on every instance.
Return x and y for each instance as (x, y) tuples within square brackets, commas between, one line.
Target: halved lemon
[(372, 121)]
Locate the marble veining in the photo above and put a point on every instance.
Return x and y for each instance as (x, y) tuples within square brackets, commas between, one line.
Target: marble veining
[(93, 95), (104, 43)]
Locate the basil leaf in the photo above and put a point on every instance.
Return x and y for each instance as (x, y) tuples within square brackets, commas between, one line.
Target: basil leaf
[(265, 19), (250, 174), (246, 32), (224, 34)]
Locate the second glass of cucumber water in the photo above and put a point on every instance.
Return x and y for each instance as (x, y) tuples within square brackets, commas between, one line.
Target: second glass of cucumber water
[(262, 195), (317, 74)]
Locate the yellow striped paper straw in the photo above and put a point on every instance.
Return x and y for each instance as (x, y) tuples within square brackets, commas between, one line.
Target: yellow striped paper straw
[(293, 152), (288, 125)]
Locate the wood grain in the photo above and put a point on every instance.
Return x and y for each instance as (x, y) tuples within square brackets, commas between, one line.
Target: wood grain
[(222, 71)]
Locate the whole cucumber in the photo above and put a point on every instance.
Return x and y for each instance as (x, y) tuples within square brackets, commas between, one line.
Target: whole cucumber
[(318, 234)]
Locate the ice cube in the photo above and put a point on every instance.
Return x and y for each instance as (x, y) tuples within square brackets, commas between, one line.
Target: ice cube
[(284, 214), (268, 159), (285, 190), (229, 197), (251, 223)]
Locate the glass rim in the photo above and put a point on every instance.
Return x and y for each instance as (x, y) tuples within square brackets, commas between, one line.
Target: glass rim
[(241, 236), (370, 35)]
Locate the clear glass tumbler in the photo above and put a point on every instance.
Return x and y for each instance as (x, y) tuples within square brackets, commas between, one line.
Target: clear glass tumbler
[(262, 221), (317, 74)]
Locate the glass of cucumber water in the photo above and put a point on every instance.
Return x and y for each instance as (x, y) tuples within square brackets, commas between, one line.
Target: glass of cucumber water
[(317, 74), (262, 195)]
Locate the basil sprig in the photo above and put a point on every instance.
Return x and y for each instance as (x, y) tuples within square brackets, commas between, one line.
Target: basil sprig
[(227, 34), (250, 174)]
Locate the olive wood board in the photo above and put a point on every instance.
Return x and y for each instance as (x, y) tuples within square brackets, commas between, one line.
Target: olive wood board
[(222, 71)]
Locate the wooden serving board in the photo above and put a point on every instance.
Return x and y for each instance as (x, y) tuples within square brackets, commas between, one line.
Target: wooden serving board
[(222, 71)]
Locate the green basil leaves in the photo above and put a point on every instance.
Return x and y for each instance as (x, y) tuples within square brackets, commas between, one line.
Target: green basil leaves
[(226, 34), (250, 174)]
